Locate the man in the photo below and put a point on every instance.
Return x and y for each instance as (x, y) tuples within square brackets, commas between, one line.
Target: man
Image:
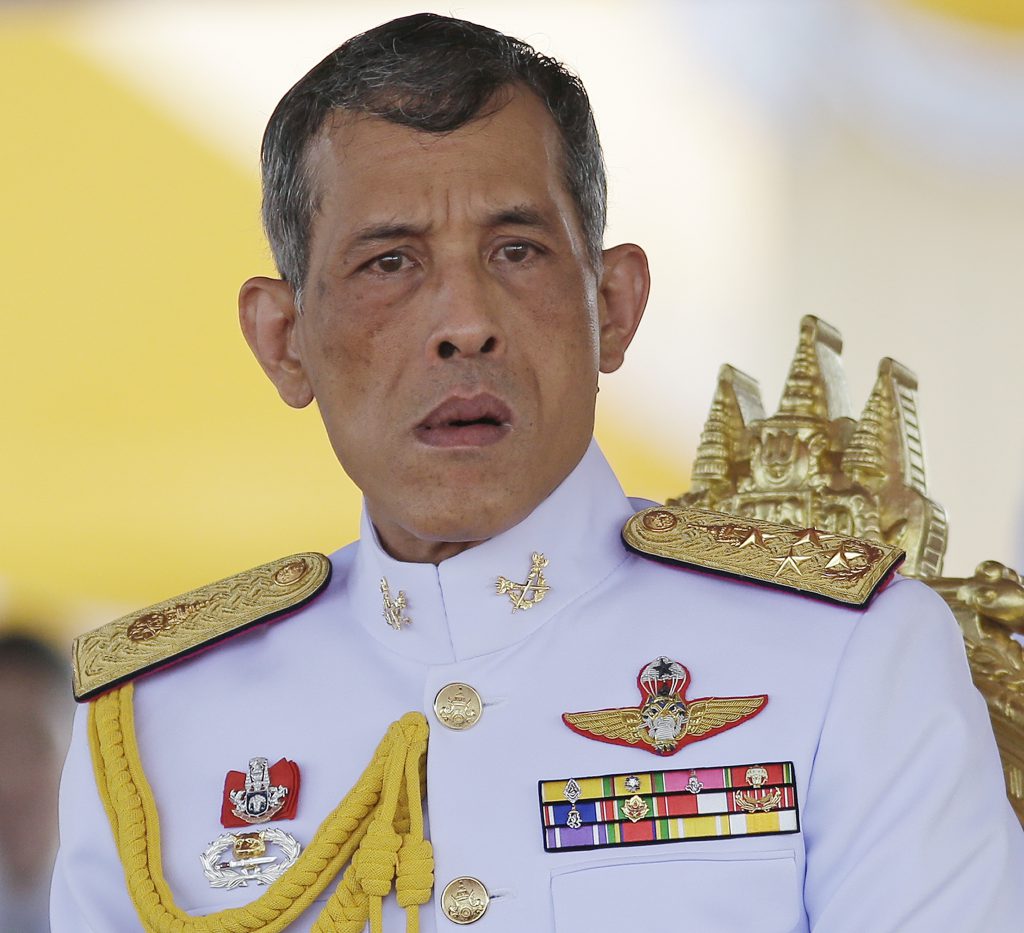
[(34, 732), (434, 197)]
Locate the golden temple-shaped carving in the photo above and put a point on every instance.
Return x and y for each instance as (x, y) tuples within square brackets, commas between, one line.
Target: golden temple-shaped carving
[(812, 464)]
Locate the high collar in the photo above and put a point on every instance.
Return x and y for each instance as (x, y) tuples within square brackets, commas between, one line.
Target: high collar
[(455, 609)]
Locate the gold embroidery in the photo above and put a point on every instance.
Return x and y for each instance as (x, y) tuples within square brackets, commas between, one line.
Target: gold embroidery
[(838, 567), (151, 624), (177, 627)]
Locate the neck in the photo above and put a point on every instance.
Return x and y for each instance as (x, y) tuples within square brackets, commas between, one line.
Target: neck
[(418, 545), (410, 549)]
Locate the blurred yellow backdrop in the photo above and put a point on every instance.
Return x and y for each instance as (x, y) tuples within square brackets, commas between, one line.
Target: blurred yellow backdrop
[(1002, 14)]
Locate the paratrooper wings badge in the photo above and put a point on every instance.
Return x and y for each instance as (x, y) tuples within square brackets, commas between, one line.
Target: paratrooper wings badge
[(665, 721)]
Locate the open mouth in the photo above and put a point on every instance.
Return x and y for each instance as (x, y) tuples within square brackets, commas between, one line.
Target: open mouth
[(466, 422)]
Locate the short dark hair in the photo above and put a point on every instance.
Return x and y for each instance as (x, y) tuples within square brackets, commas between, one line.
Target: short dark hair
[(434, 74)]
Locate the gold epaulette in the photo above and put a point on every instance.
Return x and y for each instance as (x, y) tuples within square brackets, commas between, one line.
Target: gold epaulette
[(835, 567), (176, 628)]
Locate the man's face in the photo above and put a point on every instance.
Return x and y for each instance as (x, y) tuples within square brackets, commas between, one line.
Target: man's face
[(451, 327)]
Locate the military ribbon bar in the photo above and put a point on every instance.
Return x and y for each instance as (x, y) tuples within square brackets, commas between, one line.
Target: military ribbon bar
[(643, 808)]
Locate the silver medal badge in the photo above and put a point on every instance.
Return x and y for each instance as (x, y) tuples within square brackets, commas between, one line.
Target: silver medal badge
[(250, 858)]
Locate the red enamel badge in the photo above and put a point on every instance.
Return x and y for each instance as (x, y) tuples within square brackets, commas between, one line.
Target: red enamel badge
[(665, 721), (261, 794)]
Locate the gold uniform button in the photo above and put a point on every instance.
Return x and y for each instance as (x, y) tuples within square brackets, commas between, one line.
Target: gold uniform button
[(464, 900), (458, 706)]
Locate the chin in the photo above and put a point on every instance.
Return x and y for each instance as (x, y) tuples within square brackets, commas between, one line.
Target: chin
[(468, 519)]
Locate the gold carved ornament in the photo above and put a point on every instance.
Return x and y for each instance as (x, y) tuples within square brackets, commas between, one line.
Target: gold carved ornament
[(813, 465)]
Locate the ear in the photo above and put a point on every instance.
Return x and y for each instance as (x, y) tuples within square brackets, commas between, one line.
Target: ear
[(622, 297), (269, 318)]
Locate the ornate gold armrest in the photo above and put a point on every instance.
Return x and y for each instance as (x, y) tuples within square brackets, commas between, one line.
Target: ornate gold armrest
[(990, 609)]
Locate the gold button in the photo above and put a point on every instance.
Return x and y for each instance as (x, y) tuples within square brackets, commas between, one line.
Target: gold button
[(458, 706), (464, 900)]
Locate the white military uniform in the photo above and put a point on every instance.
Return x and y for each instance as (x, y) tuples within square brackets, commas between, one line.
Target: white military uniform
[(903, 819)]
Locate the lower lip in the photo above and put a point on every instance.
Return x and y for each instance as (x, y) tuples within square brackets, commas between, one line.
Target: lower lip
[(470, 435)]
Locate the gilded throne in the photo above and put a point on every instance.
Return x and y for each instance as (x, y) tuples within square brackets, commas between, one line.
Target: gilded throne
[(814, 465)]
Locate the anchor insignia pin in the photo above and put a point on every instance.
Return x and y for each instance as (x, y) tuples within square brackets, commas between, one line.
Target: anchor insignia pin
[(393, 608), (526, 595)]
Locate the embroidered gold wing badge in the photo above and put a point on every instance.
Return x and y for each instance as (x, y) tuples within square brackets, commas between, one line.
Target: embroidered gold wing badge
[(665, 721), (835, 567), (179, 627), (625, 726)]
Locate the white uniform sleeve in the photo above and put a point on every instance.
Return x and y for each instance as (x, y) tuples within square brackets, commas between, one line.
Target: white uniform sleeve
[(88, 894), (906, 820)]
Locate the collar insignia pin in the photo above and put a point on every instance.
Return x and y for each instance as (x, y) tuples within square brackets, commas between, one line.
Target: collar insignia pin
[(262, 793), (526, 595), (249, 861), (393, 608), (665, 721)]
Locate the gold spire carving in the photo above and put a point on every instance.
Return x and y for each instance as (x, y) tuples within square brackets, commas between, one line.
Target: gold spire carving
[(736, 402), (813, 466), (806, 394)]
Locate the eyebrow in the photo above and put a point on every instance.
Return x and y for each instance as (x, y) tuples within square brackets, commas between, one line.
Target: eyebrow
[(375, 233), (522, 215)]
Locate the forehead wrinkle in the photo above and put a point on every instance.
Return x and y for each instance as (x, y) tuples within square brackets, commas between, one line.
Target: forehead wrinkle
[(388, 230), (473, 198), (521, 214)]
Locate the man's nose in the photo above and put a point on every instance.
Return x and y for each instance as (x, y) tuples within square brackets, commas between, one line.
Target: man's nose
[(446, 349), (468, 316)]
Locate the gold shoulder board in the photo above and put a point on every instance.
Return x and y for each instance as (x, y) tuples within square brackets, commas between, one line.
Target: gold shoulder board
[(835, 567), (178, 627)]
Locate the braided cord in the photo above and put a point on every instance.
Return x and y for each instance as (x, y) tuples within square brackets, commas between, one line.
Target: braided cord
[(378, 826)]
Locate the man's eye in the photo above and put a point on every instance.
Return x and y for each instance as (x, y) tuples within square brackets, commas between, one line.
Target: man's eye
[(390, 262), (517, 252)]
